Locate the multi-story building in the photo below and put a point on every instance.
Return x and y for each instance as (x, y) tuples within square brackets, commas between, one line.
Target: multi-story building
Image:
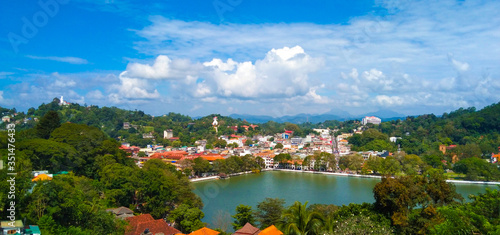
[(372, 119)]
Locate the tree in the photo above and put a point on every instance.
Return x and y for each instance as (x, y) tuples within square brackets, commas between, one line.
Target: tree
[(474, 168), (278, 146), (221, 220), (220, 143), (48, 123), (161, 189), (71, 201), (121, 183), (201, 165), (361, 224), (352, 162), (399, 197), (260, 161), (244, 214), (187, 219), (269, 211), (248, 142), (297, 220), (331, 161), (390, 166), (51, 155), (374, 163)]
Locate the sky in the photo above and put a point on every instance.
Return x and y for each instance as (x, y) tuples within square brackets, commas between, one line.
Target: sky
[(255, 57)]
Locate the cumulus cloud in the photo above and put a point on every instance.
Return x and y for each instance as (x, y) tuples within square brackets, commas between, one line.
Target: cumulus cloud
[(229, 65), (282, 73), (385, 55), (162, 68), (132, 89)]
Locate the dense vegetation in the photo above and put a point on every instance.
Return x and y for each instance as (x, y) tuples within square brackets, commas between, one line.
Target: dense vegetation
[(100, 176), (110, 121), (419, 204), (84, 142)]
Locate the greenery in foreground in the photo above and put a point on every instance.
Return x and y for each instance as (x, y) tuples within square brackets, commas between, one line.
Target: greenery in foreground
[(100, 176), (423, 204)]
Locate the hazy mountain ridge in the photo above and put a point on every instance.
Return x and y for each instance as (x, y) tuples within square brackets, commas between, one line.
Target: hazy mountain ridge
[(339, 115)]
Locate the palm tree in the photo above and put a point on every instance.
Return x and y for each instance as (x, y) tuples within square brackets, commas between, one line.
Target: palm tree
[(298, 221)]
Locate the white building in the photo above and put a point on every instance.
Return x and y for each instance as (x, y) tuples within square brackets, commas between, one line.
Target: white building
[(167, 134), (372, 119)]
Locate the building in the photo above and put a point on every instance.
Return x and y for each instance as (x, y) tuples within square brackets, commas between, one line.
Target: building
[(11, 227), (5, 119), (268, 158), (62, 102), (394, 139), (167, 134), (248, 229), (145, 224), (372, 119), (148, 135)]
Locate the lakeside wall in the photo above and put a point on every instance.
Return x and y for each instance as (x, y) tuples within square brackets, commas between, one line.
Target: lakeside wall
[(338, 174)]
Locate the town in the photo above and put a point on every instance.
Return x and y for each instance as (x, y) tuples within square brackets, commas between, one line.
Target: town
[(263, 147)]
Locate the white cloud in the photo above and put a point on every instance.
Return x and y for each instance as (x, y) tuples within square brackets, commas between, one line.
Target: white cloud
[(162, 68), (62, 81), (2, 100), (67, 59), (5, 74), (282, 73), (94, 95), (229, 65), (385, 100), (460, 66), (373, 75), (132, 89), (426, 54)]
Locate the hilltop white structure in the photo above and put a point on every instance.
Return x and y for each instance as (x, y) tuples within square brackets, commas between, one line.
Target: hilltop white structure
[(372, 119)]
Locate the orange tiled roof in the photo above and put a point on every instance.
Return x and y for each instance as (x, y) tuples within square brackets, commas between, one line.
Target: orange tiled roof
[(213, 157), (204, 231), (271, 230), (175, 155), (41, 177)]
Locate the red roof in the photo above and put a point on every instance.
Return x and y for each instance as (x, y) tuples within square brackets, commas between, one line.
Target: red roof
[(138, 224), (289, 132), (175, 155), (248, 229), (133, 221)]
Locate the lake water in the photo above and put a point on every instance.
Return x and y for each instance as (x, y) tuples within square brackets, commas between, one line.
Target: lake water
[(225, 195)]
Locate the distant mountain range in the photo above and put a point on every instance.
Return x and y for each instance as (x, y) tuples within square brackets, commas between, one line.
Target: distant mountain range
[(339, 115)]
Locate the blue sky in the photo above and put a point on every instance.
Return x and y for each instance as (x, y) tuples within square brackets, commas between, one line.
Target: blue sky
[(252, 57)]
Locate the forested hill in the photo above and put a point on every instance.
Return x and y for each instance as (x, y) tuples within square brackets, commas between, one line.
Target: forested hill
[(478, 130), (111, 121)]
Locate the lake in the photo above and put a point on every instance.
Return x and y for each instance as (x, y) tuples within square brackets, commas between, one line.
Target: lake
[(250, 189)]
